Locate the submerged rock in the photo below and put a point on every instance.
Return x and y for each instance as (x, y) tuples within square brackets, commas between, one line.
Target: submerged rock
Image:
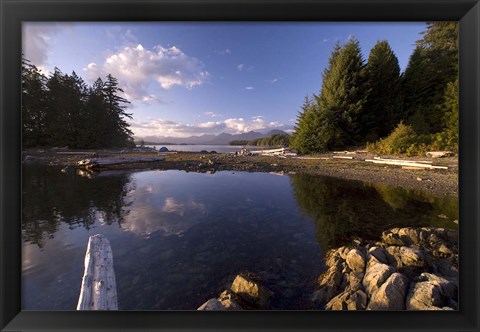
[(244, 293), (250, 291)]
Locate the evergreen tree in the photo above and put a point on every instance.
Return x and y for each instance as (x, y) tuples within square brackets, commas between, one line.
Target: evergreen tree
[(382, 110), (305, 138), (432, 66), (62, 110), (34, 106), (115, 108), (57, 118), (342, 98)]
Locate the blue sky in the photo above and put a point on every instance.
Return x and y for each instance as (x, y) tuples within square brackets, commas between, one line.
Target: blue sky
[(189, 78)]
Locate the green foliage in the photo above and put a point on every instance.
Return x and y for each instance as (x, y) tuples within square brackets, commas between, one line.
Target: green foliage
[(383, 95), (332, 119), (62, 110), (342, 98), (272, 140), (34, 105), (432, 66), (402, 140), (309, 129), (363, 103)]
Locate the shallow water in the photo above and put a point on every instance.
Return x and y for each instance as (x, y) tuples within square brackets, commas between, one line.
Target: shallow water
[(180, 238)]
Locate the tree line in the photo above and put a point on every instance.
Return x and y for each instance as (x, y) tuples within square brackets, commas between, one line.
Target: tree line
[(372, 104), (272, 140), (62, 110)]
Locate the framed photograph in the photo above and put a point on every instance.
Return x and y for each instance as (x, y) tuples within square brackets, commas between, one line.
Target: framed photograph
[(239, 165)]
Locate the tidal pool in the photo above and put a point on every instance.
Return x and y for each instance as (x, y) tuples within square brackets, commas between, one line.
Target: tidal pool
[(180, 238)]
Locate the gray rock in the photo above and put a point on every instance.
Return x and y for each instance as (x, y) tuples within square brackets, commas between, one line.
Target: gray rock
[(375, 275), (348, 301), (343, 252), (378, 253), (250, 291), (448, 288), (212, 304), (227, 299), (391, 295), (405, 256), (330, 282), (356, 260), (354, 281), (424, 296)]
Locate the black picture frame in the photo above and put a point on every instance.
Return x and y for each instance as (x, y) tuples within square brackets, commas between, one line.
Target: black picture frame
[(13, 12)]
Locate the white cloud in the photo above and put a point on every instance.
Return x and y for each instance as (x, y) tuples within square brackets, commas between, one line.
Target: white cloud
[(325, 40), (211, 114), (244, 67), (137, 68), (224, 52), (162, 127), (249, 88), (275, 80), (37, 40)]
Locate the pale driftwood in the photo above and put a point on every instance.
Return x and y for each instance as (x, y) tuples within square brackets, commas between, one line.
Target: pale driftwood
[(313, 158), (99, 290), (281, 150), (403, 163), (342, 157), (439, 154), (413, 168), (406, 161)]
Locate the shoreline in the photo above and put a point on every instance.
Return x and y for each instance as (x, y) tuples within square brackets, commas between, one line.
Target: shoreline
[(438, 182)]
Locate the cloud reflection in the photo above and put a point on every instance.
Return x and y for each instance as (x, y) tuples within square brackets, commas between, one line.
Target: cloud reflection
[(150, 212)]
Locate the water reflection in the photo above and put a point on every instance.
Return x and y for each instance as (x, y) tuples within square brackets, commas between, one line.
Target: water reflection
[(343, 210), (51, 197), (179, 238)]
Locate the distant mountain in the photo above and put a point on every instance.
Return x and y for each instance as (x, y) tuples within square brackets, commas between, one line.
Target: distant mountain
[(220, 139), (276, 132)]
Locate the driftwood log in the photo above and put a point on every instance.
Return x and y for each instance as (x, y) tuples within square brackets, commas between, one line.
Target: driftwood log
[(99, 290)]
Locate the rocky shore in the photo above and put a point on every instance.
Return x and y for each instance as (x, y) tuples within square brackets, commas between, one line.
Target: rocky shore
[(437, 182), (408, 269)]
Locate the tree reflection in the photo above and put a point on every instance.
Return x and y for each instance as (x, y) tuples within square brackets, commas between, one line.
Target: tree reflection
[(344, 210), (50, 197)]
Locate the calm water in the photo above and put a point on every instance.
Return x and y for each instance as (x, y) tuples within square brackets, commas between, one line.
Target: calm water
[(179, 238)]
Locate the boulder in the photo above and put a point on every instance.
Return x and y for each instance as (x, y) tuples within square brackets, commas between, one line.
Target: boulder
[(424, 296), (212, 304), (331, 281), (405, 256), (228, 300), (448, 288), (348, 301), (375, 275), (356, 260), (390, 295), (379, 253), (250, 291), (354, 281)]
